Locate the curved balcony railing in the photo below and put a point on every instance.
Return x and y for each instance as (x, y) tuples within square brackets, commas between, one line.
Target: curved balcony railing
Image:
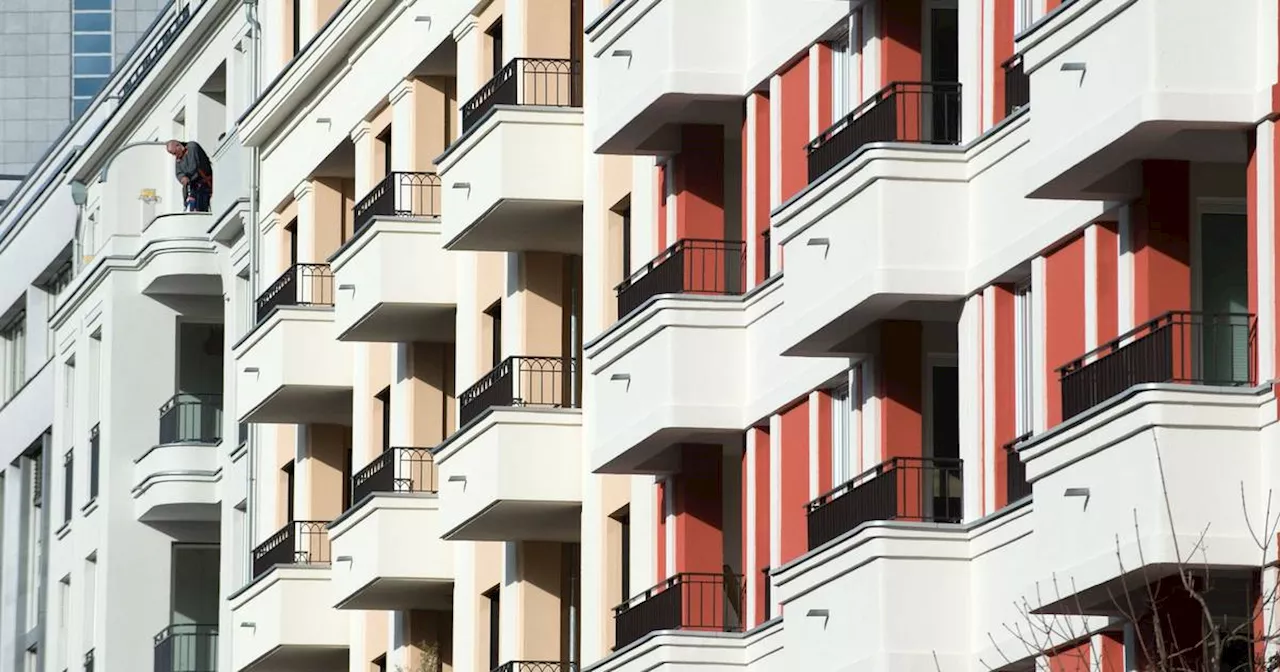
[(689, 266), (522, 381), (191, 418), (919, 112), (527, 81), (301, 285), (395, 470), (1177, 347), (400, 194), (187, 647), (301, 542), (687, 601), (924, 489), (536, 666)]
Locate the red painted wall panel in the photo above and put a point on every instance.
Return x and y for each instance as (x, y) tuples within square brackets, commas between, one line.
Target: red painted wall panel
[(1064, 317), (794, 480), (901, 389), (1004, 396), (700, 183), (1162, 240), (793, 159)]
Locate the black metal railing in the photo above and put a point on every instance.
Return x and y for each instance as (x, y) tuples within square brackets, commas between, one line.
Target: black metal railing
[(243, 431), (1176, 347), (920, 112), (395, 470), (522, 381), (536, 666), (766, 246), (688, 601), (924, 489), (1016, 486), (400, 194), (301, 285), (191, 418), (768, 593), (690, 266), (187, 648), (301, 542), (156, 50), (527, 81), (68, 484), (1017, 85), (95, 450), (88, 661)]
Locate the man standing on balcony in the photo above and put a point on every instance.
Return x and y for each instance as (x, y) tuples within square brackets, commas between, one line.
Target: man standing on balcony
[(195, 172)]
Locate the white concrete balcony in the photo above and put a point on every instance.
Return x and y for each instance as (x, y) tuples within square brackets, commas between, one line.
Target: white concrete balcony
[(177, 479), (387, 550), (177, 257), (674, 369), (513, 180), (1147, 473), (884, 224), (514, 474), (291, 368), (1112, 82), (395, 280), (663, 63), (285, 619)]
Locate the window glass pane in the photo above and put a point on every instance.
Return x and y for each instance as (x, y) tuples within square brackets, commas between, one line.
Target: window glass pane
[(91, 4), (92, 44), (79, 105), (92, 65), (87, 86), (91, 22)]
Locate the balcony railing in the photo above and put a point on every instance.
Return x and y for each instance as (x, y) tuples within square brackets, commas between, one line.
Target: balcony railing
[(1016, 486), (523, 381), (187, 648), (400, 194), (924, 489), (1017, 86), (301, 542), (156, 49), (191, 418), (301, 285), (704, 602), (554, 82), (395, 470), (88, 661), (68, 484), (690, 266), (95, 450), (536, 666), (920, 112), (1176, 347)]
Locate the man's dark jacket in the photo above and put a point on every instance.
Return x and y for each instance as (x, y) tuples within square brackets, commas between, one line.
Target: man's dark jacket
[(195, 165)]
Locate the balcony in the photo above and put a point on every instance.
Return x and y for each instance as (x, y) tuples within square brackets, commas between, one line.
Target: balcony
[(513, 472), (1115, 84), (547, 382), (1180, 347), (187, 648), (513, 180), (396, 282), (536, 666), (884, 225), (1161, 476), (177, 256), (662, 64), (177, 479), (387, 547), (285, 617), (688, 601), (921, 489), (292, 368), (690, 266), (916, 112)]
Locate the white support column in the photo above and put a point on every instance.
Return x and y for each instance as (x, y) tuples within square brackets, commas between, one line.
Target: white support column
[(1265, 158), (1039, 378), (304, 194), (470, 43), (644, 533), (1124, 272), (970, 372), (1090, 287), (510, 603), (403, 109), (775, 491), (753, 566), (972, 78), (751, 170), (815, 446), (988, 372)]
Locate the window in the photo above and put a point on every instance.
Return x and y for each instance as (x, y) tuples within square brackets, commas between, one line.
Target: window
[(297, 27), (494, 312), (384, 400), (494, 597), (1023, 15), (841, 436), (64, 621), (31, 662), (1024, 387), (92, 57), (842, 74), (292, 230), (495, 44), (68, 485), (288, 491), (57, 284), (13, 339), (34, 532)]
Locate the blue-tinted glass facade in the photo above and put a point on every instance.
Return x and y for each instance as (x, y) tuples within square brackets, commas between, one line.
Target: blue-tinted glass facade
[(91, 51)]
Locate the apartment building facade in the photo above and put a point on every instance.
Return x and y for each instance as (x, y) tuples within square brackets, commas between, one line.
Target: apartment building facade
[(546, 335)]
